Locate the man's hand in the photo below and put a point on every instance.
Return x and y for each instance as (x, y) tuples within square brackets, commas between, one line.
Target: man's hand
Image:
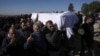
[(30, 39), (12, 41)]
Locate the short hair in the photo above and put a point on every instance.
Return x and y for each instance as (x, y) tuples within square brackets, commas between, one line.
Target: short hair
[(23, 22), (36, 25), (14, 30), (49, 21)]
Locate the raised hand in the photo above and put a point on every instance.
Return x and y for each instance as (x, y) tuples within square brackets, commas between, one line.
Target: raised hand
[(30, 38)]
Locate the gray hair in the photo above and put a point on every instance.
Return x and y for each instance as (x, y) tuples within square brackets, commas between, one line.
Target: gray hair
[(34, 25)]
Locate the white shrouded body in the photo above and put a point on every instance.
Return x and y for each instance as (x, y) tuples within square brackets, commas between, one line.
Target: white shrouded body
[(67, 19), (44, 17)]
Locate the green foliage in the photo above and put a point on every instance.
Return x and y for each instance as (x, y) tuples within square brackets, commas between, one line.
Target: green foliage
[(93, 6)]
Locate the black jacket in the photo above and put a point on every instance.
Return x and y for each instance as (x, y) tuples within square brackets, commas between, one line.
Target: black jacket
[(14, 49), (54, 39)]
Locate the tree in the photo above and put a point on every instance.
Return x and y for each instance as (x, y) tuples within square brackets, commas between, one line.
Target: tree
[(93, 6), (85, 8), (71, 7)]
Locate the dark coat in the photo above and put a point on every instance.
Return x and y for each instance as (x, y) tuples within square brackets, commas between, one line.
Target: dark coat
[(24, 33), (37, 47), (14, 49), (88, 36), (54, 39), (2, 36)]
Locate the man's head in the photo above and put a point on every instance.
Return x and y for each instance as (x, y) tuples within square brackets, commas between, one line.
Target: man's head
[(12, 26), (78, 12), (11, 33), (49, 25), (28, 24), (39, 23), (36, 28), (23, 25), (89, 20), (70, 7), (90, 13)]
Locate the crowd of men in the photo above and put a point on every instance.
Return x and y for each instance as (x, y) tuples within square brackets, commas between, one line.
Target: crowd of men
[(21, 36)]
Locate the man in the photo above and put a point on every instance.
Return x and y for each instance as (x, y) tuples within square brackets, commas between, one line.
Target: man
[(13, 43), (79, 17), (2, 36), (35, 43), (90, 14), (53, 37), (68, 24), (29, 27), (87, 38), (23, 30), (68, 21)]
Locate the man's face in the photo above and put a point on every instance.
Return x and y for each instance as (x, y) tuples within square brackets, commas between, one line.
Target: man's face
[(89, 12), (11, 33), (50, 26), (12, 26), (78, 12), (89, 20), (23, 25), (28, 24), (36, 29)]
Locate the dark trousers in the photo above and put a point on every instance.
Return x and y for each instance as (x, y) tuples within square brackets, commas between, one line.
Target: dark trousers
[(68, 45), (87, 44)]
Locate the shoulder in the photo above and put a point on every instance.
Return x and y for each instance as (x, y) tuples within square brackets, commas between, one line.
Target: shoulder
[(33, 33), (19, 30)]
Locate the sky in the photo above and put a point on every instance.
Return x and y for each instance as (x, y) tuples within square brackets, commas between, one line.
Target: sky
[(13, 7)]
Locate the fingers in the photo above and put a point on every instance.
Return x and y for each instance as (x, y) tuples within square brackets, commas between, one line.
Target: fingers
[(12, 40), (30, 38)]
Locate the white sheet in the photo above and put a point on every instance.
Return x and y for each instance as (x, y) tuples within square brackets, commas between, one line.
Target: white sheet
[(44, 17)]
